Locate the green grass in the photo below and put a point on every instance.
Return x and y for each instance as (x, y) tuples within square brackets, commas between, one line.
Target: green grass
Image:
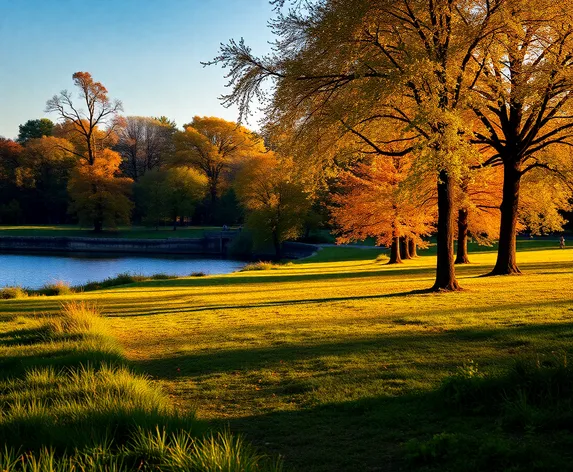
[(135, 232), (339, 362), (71, 402)]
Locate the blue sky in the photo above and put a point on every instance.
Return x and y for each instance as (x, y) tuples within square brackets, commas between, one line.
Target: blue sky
[(146, 52)]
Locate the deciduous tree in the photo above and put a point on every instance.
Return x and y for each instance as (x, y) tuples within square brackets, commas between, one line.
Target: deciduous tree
[(276, 204), (355, 64)]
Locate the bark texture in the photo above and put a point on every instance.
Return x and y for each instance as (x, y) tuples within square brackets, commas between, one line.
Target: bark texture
[(445, 271), (462, 254)]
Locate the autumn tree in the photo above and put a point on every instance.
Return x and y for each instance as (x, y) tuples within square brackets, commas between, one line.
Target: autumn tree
[(99, 194), (171, 193), (354, 66), (477, 201), (91, 129), (524, 103), (378, 201), (35, 129), (214, 147), (275, 202)]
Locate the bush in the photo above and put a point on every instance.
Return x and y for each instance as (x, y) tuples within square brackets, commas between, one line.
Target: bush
[(7, 293), (241, 247), (260, 266), (56, 288)]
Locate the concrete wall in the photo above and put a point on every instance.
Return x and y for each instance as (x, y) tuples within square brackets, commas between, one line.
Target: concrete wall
[(111, 245)]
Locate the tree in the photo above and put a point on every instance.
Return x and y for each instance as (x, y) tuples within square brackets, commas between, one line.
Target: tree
[(98, 194), (92, 132), (214, 146), (47, 166), (88, 124), (377, 201), (275, 203), (359, 65), (10, 181), (523, 101), (144, 143), (35, 129), (171, 193), (477, 200)]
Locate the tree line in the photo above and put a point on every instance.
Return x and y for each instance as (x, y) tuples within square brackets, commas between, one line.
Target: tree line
[(101, 169)]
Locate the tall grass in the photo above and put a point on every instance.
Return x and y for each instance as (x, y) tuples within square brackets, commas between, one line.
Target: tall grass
[(77, 406)]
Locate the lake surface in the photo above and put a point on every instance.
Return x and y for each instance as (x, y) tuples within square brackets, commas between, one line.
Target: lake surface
[(33, 271)]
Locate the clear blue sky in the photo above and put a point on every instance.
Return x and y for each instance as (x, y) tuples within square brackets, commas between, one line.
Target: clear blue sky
[(146, 52)]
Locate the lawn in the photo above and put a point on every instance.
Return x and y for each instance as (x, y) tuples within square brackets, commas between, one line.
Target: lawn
[(129, 232), (336, 362)]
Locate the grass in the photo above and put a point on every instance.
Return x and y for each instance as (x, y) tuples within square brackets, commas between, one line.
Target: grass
[(128, 232), (7, 293), (339, 362), (71, 402)]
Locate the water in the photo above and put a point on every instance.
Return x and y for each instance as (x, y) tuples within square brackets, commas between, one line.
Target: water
[(33, 271)]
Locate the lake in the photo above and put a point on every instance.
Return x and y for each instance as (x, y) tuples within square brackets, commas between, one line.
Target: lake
[(33, 271)]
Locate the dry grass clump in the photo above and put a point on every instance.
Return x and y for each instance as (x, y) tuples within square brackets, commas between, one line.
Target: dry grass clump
[(8, 293)]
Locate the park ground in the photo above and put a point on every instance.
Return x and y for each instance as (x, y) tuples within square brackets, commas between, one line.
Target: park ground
[(337, 362)]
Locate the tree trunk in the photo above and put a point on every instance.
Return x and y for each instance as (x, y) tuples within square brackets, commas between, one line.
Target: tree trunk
[(462, 256), (506, 263), (405, 248), (175, 223), (445, 269), (395, 252), (413, 248), (277, 244)]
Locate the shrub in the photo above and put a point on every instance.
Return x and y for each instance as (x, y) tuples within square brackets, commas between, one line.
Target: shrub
[(56, 288), (198, 274), (260, 266), (163, 277), (382, 258), (7, 293), (120, 279)]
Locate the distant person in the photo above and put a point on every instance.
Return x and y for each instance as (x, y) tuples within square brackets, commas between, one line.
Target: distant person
[(225, 227), (562, 242)]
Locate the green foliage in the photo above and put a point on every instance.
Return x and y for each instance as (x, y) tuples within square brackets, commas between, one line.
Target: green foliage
[(171, 193), (35, 129)]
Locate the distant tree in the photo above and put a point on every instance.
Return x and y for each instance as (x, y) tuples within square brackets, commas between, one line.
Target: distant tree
[(47, 166), (378, 201), (92, 130), (100, 113), (10, 181), (34, 129), (275, 204), (214, 146), (171, 193), (99, 195), (143, 143)]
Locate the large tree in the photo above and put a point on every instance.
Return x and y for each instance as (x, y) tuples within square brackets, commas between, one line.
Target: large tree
[(524, 103), (362, 64), (91, 128)]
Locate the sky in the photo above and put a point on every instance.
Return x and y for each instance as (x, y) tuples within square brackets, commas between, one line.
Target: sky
[(147, 53)]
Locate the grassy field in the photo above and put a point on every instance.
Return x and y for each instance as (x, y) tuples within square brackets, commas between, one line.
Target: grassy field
[(338, 362), (129, 232)]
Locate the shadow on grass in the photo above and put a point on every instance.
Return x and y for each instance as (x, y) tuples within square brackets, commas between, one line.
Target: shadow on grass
[(370, 433)]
